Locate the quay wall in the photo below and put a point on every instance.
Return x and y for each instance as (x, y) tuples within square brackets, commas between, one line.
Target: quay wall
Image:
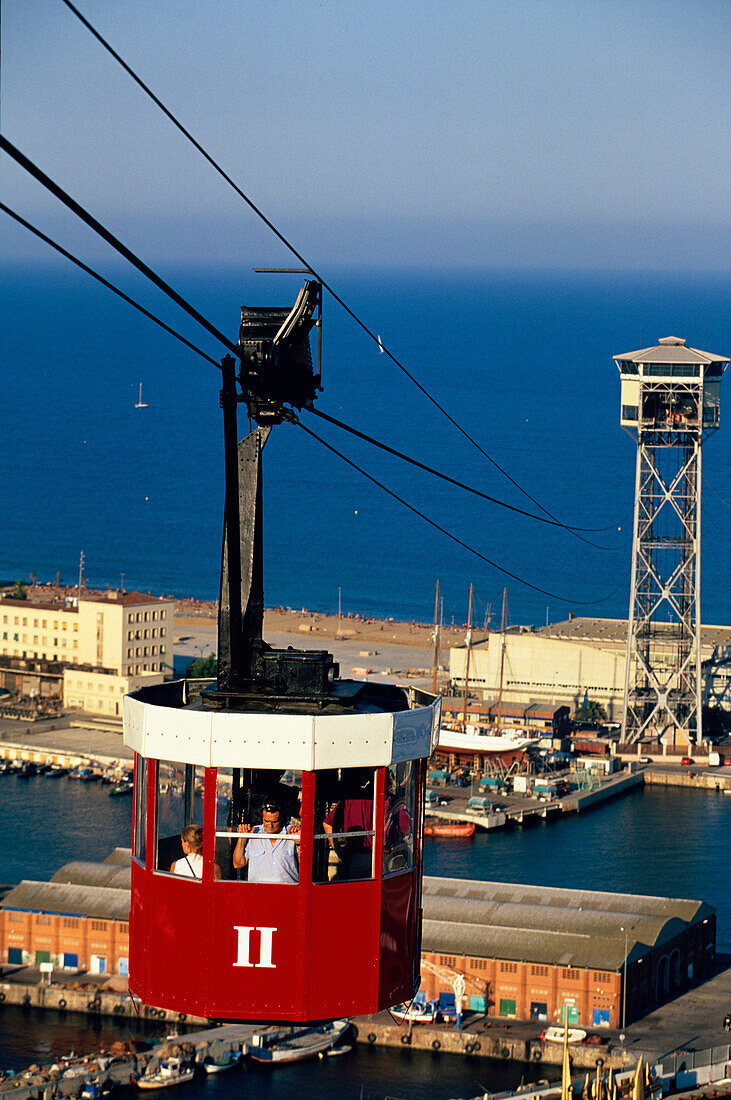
[(91, 1001), (709, 781), (482, 1044)]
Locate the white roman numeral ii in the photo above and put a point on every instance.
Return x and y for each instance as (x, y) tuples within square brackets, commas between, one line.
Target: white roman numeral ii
[(244, 943)]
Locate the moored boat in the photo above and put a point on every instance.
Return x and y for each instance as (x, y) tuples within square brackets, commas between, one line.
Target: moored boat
[(418, 1012), (449, 828), (556, 1035), (121, 788), (304, 1042), (220, 1065), (171, 1071)]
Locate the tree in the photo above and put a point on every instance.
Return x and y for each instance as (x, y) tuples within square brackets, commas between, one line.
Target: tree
[(19, 591), (591, 712), (202, 668)]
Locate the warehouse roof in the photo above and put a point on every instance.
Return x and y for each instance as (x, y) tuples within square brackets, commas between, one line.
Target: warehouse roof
[(573, 928), (83, 873), (70, 899)]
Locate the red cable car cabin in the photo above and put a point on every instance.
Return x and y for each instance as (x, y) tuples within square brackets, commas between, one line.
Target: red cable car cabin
[(304, 900)]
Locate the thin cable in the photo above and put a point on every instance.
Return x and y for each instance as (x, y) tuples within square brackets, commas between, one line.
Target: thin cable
[(712, 490), (107, 284), (105, 234), (280, 236), (460, 484), (444, 531)]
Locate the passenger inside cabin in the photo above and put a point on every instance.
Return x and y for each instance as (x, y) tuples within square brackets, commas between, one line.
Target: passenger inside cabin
[(270, 851), (191, 865), (349, 826)]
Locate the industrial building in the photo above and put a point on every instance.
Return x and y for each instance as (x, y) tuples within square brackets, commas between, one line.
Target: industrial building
[(86, 653), (537, 952), (524, 951), (566, 662)]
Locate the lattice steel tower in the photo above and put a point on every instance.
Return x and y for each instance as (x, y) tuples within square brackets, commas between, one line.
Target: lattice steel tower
[(671, 399)]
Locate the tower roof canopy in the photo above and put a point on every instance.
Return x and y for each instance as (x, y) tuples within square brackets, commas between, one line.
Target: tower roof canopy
[(670, 349)]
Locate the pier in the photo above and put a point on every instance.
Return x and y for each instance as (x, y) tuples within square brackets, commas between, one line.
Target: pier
[(523, 809)]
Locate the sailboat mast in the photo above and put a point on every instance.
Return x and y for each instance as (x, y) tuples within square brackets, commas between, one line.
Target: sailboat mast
[(502, 661), (468, 641), (436, 641)]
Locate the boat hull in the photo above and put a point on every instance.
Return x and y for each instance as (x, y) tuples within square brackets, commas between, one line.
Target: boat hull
[(300, 1047)]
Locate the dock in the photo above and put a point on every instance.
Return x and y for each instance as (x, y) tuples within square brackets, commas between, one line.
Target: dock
[(524, 809)]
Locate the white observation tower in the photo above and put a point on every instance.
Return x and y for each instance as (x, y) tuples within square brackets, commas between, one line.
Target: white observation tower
[(671, 399)]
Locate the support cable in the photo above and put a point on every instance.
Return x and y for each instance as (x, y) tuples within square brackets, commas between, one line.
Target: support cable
[(37, 173), (107, 284), (444, 531), (280, 236), (461, 484)]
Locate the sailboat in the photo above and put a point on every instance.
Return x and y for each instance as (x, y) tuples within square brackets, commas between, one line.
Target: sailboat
[(140, 404), (504, 743)]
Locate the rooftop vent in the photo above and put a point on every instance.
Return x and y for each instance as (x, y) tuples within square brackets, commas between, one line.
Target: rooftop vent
[(672, 341)]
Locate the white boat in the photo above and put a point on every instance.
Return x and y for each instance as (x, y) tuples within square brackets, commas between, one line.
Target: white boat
[(556, 1034), (303, 1042), (171, 1071), (415, 1013), (475, 739), (220, 1065), (139, 403)]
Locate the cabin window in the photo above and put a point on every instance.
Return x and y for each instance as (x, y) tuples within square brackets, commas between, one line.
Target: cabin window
[(398, 818), (140, 807), (179, 803), (344, 825), (258, 815)]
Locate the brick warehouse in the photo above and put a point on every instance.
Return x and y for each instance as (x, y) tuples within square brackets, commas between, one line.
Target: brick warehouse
[(535, 952), (526, 952), (77, 921)]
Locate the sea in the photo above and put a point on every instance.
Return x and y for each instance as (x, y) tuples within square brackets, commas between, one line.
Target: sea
[(522, 361), (672, 842)]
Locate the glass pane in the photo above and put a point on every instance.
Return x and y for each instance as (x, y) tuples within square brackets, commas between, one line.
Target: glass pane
[(398, 817), (258, 825), (344, 825), (179, 819), (140, 808)]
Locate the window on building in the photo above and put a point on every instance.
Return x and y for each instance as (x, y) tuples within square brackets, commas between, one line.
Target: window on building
[(508, 968), (98, 926), (42, 918), (71, 922)]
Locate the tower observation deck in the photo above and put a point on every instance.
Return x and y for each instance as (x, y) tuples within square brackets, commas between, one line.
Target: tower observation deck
[(671, 398)]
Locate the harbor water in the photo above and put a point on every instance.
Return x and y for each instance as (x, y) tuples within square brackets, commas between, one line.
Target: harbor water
[(673, 842)]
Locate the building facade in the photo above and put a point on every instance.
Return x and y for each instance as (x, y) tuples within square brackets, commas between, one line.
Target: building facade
[(89, 652), (568, 662), (540, 953)]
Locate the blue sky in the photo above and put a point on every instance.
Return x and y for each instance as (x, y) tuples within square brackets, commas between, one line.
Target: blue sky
[(526, 133)]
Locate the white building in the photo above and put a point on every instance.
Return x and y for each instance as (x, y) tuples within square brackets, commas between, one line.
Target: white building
[(92, 651)]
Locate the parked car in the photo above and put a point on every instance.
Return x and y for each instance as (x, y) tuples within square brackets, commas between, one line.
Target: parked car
[(687, 761)]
